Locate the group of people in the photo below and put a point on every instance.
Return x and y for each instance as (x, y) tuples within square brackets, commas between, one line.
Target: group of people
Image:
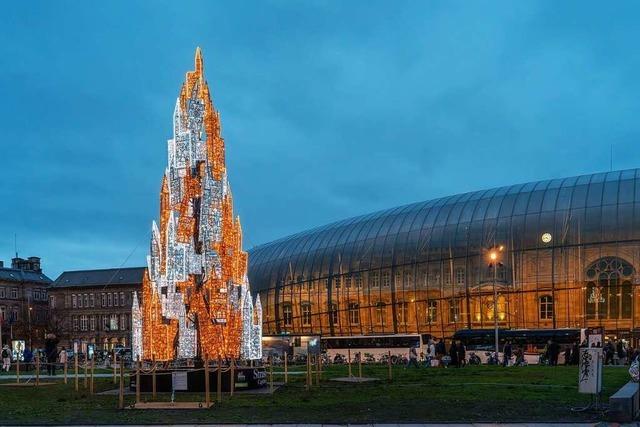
[(27, 356), (436, 354)]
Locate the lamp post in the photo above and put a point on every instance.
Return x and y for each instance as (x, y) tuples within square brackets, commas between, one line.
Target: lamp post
[(494, 255), (30, 339)]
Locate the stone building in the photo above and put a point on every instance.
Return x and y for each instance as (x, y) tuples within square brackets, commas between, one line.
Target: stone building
[(94, 306), (23, 301)]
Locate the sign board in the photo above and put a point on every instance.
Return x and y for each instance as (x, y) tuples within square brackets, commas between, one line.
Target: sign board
[(590, 371), (17, 350), (595, 340), (179, 380)]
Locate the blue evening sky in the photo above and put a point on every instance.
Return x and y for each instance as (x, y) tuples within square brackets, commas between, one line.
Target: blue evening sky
[(329, 109)]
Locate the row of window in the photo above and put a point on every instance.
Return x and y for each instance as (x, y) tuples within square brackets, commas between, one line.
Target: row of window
[(9, 313), (107, 322), (376, 279), (402, 312), (9, 293), (104, 299)]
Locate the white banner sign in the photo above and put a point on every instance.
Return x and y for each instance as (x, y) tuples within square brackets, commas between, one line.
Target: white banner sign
[(590, 371), (179, 380)]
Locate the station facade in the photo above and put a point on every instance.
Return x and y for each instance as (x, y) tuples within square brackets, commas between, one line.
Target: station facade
[(568, 255)]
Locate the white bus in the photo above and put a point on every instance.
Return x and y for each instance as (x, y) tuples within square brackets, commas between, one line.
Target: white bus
[(373, 347)]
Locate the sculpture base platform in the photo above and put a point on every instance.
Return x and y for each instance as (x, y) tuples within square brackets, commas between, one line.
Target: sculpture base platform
[(192, 380), (170, 405)]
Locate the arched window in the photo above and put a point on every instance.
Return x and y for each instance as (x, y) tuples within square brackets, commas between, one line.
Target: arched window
[(546, 307), (608, 290)]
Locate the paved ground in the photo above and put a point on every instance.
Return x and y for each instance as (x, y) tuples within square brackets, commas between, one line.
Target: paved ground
[(393, 425)]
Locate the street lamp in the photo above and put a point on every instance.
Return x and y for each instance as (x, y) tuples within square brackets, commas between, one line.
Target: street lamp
[(30, 339), (494, 260)]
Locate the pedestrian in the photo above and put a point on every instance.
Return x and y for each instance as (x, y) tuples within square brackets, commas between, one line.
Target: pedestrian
[(608, 353), (28, 359), (507, 352), (622, 353), (453, 354), (413, 358), (462, 354), (554, 352), (62, 357), (51, 351), (567, 356), (441, 351), (6, 358), (575, 354)]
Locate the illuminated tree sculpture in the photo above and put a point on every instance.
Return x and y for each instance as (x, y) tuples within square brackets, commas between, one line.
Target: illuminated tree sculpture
[(195, 293)]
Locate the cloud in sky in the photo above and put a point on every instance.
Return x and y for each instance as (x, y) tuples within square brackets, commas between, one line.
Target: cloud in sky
[(329, 109)]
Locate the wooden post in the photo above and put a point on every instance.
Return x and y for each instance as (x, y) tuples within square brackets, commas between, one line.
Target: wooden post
[(153, 379), (286, 370), (18, 368), (233, 376), (65, 368), (91, 381), (271, 374), (360, 365), (219, 379), (138, 380), (389, 366), (86, 362), (121, 396), (308, 371), (75, 367), (37, 369), (115, 359), (207, 396), (349, 361)]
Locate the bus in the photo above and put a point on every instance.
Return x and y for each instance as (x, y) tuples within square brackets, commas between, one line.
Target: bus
[(532, 341), (374, 347)]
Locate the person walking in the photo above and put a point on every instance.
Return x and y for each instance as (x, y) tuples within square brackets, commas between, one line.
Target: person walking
[(6, 358), (413, 358), (441, 351), (462, 354), (622, 353), (27, 356), (453, 354), (507, 352), (51, 351), (554, 352), (575, 354), (62, 357)]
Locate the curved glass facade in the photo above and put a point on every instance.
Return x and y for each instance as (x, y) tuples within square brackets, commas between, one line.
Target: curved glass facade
[(570, 259)]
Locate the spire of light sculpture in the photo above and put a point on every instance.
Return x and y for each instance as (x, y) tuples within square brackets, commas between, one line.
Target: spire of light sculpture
[(195, 293)]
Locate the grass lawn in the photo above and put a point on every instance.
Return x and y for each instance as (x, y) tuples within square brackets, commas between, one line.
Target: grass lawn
[(481, 393)]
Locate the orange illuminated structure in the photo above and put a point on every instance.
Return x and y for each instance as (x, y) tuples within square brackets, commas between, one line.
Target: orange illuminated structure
[(195, 293)]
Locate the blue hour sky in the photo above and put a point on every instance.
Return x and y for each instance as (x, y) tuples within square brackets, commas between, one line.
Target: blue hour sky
[(329, 109)]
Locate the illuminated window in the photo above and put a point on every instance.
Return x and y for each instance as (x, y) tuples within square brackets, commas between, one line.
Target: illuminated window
[(287, 314), (333, 313), (546, 307), (347, 282), (609, 291), (354, 313), (381, 309), (358, 280), (336, 282), (432, 312), (454, 310), (306, 314), (460, 276), (402, 310)]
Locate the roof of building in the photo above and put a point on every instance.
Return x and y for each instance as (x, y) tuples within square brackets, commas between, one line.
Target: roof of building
[(19, 276), (587, 209), (106, 277)]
